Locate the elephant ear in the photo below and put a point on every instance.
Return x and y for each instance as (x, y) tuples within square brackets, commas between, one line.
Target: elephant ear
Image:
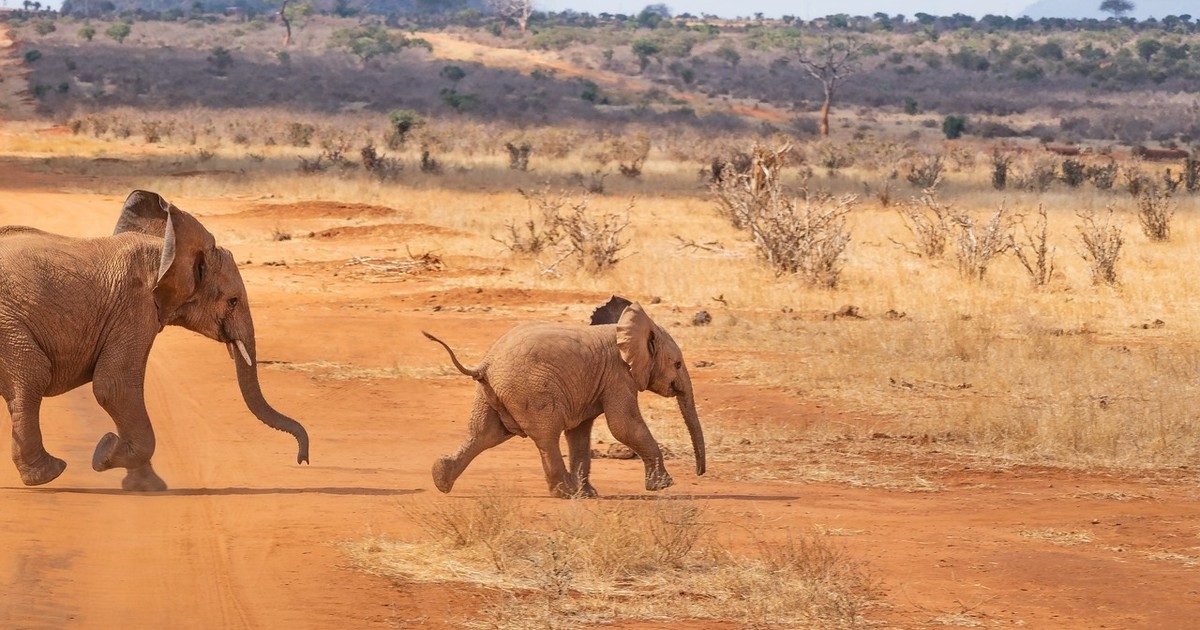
[(610, 312), (636, 343), (185, 245)]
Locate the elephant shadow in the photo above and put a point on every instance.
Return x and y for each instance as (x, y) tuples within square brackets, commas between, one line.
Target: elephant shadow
[(224, 492)]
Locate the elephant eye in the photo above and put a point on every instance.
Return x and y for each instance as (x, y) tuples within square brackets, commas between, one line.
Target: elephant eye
[(678, 364), (233, 302)]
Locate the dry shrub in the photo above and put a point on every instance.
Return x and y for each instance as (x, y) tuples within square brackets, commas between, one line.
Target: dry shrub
[(594, 239), (1155, 209), (1038, 176), (1100, 242), (928, 220), (1103, 177), (631, 158), (603, 563), (805, 235), (541, 231), (926, 172), (978, 245), (1000, 165), (1034, 251), (518, 155)]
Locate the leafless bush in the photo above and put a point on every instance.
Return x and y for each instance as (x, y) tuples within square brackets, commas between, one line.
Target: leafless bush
[(1000, 165), (741, 191), (928, 219), (1034, 250), (1103, 177), (518, 155), (882, 192), (1191, 175), (542, 230), (429, 164), (1100, 240), (636, 153), (1155, 209), (595, 240), (1135, 180), (1040, 176), (804, 235), (384, 168), (926, 172), (978, 245)]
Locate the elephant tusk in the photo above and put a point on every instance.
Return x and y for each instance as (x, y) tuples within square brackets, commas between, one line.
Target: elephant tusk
[(245, 355)]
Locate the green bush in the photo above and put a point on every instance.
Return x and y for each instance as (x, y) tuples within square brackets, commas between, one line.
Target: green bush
[(954, 126), (119, 31), (402, 122), (32, 56), (87, 32)]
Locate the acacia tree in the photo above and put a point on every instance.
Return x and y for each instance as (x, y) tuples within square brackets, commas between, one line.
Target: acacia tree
[(831, 61), (516, 10), (289, 12), (1118, 8)]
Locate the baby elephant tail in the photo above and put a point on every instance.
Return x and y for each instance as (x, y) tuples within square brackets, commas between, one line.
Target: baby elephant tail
[(476, 373)]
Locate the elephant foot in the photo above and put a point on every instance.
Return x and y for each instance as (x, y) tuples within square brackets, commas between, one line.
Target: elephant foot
[(46, 471), (104, 452), (659, 481), (143, 479), (565, 490), (441, 475)]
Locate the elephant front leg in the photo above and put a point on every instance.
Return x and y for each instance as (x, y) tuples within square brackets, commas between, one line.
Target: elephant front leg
[(34, 464), (579, 443), (132, 446), (626, 424)]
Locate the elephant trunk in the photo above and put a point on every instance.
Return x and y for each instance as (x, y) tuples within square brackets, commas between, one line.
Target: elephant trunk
[(687, 407), (243, 353)]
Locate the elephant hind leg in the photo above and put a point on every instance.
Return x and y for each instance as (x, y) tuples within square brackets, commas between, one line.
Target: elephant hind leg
[(34, 464), (562, 484), (579, 445), (485, 431)]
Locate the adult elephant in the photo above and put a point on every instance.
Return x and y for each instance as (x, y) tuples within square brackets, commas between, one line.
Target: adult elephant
[(79, 310), (541, 380)]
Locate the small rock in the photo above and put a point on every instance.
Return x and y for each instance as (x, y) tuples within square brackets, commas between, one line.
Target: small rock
[(848, 311), (619, 451), (701, 318), (656, 300), (703, 364), (894, 314)]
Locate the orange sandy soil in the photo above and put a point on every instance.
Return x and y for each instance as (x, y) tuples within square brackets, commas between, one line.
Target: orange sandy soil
[(246, 538)]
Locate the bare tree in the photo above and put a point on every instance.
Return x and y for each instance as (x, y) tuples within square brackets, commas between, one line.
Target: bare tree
[(515, 10), (287, 24), (831, 61)]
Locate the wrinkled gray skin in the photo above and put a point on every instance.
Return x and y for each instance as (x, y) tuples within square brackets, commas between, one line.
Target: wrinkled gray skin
[(541, 380), (75, 310)]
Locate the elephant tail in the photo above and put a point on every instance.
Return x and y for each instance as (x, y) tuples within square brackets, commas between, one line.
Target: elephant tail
[(476, 373)]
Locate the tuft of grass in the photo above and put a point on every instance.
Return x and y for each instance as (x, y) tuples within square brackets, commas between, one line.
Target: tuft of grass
[(1058, 536), (604, 563)]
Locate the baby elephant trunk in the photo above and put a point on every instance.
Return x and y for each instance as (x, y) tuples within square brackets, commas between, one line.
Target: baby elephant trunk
[(687, 407), (244, 356)]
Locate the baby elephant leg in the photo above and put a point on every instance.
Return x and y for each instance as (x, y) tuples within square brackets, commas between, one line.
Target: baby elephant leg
[(626, 424), (485, 431)]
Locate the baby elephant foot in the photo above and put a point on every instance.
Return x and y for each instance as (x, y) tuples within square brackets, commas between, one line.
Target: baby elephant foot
[(43, 472), (143, 479), (441, 475), (659, 480)]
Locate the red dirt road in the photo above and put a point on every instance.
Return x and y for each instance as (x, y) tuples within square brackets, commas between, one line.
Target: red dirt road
[(245, 538)]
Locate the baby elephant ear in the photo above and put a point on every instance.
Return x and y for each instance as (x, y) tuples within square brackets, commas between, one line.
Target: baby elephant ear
[(636, 343), (185, 243), (609, 312)]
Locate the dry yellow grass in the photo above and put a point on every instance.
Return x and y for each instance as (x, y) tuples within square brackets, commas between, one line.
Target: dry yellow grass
[(588, 563)]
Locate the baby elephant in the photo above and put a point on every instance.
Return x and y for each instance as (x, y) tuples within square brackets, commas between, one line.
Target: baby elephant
[(540, 380)]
